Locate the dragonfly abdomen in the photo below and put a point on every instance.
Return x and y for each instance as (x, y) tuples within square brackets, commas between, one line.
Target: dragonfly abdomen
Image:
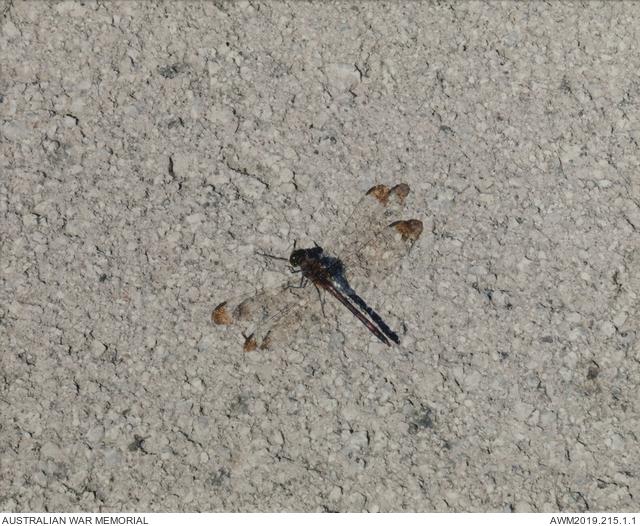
[(375, 317)]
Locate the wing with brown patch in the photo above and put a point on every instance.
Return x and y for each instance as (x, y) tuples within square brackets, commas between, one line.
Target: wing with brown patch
[(263, 315), (377, 258), (379, 207)]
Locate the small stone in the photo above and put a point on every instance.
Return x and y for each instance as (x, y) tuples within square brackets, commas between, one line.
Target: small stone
[(335, 494), (607, 328), (342, 76), (112, 457), (522, 507), (10, 30), (195, 219), (95, 434), (359, 440), (619, 319), (50, 450), (97, 348)]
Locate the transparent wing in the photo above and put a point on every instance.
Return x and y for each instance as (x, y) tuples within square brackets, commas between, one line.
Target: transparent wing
[(373, 213), (268, 316), (372, 241), (369, 245), (373, 261), (366, 267)]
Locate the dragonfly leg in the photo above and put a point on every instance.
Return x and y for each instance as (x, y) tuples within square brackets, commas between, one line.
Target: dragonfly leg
[(264, 254), (303, 283), (321, 299)]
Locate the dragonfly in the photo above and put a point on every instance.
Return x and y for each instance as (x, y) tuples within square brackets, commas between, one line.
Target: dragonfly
[(368, 247)]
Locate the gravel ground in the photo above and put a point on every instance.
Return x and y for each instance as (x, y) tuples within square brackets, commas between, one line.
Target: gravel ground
[(149, 151)]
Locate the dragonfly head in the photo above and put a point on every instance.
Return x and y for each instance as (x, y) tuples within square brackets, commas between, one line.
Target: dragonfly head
[(296, 257)]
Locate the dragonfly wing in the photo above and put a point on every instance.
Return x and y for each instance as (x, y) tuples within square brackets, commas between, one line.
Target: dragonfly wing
[(274, 330), (377, 208), (374, 260), (266, 314)]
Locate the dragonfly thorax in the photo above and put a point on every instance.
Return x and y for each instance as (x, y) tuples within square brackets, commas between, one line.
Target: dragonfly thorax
[(300, 255)]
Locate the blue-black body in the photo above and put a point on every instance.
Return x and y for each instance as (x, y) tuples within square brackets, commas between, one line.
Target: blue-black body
[(328, 273)]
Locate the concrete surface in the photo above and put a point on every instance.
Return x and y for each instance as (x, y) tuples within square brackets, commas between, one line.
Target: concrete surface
[(147, 153)]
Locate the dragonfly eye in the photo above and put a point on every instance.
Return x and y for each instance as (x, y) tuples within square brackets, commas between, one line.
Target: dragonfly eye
[(296, 257)]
